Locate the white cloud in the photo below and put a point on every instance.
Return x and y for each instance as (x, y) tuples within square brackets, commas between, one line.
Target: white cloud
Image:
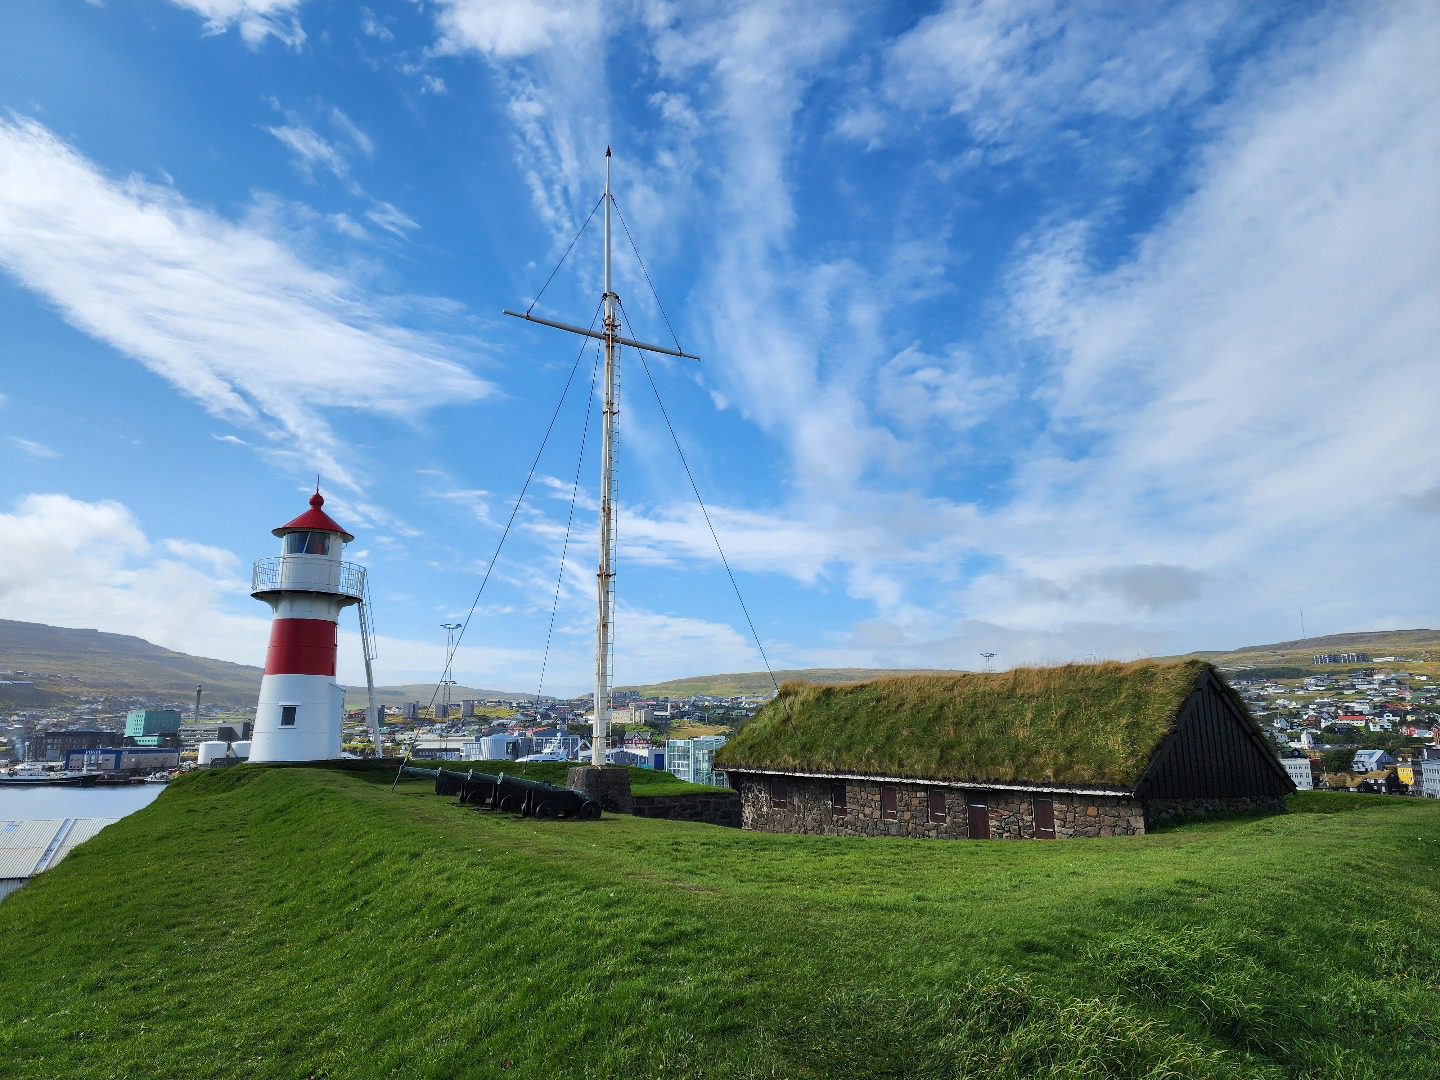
[(232, 317), (255, 19), (511, 29), (1011, 69), (916, 389), (34, 449), (392, 219), (312, 149), (370, 26), (89, 565)]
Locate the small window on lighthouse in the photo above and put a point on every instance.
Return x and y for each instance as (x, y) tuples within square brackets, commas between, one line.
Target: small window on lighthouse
[(287, 715), (307, 543)]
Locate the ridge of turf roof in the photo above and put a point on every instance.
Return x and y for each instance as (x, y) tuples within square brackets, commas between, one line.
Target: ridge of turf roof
[(1096, 724)]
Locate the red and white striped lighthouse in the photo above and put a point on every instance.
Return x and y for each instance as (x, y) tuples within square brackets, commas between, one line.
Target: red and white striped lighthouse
[(298, 715)]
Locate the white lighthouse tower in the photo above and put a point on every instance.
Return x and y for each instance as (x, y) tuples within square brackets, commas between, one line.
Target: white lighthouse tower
[(307, 587)]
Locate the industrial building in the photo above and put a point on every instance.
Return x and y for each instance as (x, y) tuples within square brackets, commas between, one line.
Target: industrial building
[(153, 727), (125, 760)]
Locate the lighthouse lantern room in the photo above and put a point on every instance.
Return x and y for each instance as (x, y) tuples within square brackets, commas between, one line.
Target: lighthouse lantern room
[(298, 715)]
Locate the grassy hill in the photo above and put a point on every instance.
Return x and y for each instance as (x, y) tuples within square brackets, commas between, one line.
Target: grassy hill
[(262, 922), (1292, 658), (89, 662)]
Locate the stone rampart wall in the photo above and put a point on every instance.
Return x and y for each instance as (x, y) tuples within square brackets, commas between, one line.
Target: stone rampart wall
[(1166, 810), (1011, 813), (712, 809)]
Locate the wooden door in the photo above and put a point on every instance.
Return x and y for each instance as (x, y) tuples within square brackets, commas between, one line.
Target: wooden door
[(979, 818), (1044, 817)]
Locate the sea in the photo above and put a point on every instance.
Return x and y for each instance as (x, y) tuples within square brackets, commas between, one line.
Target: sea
[(63, 801)]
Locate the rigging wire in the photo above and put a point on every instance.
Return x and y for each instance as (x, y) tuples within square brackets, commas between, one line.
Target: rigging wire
[(696, 489), (569, 521), (564, 257), (646, 272), (490, 566)]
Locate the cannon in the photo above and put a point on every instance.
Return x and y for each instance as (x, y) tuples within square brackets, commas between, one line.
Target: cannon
[(539, 799), (531, 798)]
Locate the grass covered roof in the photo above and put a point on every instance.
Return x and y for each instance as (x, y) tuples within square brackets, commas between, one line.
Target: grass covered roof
[(1076, 725)]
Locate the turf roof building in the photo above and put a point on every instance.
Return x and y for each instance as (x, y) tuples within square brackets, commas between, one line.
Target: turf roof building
[(1041, 753)]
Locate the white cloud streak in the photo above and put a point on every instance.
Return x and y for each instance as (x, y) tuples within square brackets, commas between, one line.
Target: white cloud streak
[(227, 314), (34, 449), (255, 19)]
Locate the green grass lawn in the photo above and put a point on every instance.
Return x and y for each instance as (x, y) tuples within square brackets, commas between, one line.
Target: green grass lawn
[(298, 922)]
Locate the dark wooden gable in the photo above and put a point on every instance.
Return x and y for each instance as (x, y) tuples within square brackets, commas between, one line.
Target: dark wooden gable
[(1214, 751)]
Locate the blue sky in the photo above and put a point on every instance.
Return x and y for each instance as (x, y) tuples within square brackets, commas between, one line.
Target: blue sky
[(1057, 330)]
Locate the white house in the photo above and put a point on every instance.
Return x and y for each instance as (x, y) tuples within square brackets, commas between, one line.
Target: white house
[(1299, 770), (1430, 778)]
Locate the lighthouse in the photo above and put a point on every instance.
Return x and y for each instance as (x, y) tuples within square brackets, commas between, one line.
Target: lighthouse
[(307, 587)]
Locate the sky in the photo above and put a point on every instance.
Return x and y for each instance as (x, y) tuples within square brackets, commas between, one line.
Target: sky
[(1054, 330)]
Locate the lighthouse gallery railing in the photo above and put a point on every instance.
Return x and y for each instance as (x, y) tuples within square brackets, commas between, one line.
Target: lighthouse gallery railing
[(305, 573)]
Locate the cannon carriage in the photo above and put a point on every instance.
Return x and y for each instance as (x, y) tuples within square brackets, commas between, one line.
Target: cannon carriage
[(529, 798)]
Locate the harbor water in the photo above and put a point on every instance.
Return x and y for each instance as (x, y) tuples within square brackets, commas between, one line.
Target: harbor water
[(61, 801)]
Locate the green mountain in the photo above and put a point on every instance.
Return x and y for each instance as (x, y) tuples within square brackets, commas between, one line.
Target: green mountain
[(67, 664)]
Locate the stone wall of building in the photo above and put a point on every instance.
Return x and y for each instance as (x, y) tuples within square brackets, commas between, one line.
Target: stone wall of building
[(1158, 811), (1011, 813), (712, 809)]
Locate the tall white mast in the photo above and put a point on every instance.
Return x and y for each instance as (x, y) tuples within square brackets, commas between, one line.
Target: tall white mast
[(605, 577)]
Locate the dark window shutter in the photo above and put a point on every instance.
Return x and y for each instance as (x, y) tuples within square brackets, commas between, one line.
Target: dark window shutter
[(938, 814), (888, 810), (1044, 817), (838, 806), (779, 794)]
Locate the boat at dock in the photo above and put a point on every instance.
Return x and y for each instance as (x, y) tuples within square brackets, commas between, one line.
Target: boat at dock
[(42, 779)]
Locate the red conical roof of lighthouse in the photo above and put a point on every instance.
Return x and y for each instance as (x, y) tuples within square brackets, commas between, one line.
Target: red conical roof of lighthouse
[(314, 520)]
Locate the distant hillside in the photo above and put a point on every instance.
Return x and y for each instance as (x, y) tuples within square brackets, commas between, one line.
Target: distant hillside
[(90, 662), (399, 695), (1415, 644), (758, 682)]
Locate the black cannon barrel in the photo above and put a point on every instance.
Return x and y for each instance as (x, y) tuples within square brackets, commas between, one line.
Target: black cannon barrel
[(531, 797), (539, 799)]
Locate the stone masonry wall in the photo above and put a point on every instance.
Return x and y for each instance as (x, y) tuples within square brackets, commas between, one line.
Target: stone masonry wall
[(712, 809), (1011, 813), (1163, 810)]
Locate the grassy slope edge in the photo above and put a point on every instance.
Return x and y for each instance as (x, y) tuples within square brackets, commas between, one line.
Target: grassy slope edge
[(304, 922)]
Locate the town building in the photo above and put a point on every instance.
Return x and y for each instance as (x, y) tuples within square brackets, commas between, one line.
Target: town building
[(1430, 778), (1300, 772), (124, 760), (53, 745), (1366, 761), (1081, 750), (153, 727), (693, 760), (230, 731)]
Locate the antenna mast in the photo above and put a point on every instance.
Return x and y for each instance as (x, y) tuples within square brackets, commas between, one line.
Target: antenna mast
[(605, 576)]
